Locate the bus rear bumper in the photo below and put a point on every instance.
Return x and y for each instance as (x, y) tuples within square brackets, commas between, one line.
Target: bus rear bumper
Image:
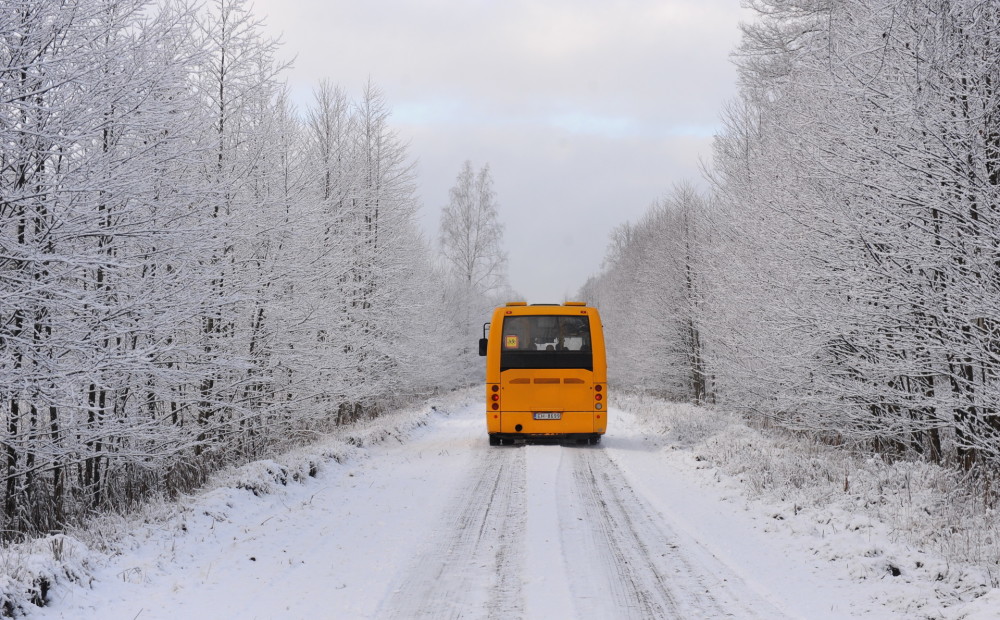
[(566, 423), (500, 439)]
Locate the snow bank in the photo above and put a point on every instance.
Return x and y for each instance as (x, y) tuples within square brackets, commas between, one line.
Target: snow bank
[(31, 572), (912, 523)]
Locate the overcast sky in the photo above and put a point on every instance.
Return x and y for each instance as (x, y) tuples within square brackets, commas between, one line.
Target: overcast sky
[(586, 111)]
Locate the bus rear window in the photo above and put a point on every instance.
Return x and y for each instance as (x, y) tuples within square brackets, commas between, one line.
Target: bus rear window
[(546, 341)]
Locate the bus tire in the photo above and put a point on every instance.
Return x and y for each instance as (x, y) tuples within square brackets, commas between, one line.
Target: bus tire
[(495, 441)]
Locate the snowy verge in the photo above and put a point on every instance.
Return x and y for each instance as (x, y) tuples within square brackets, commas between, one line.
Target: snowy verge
[(912, 525), (33, 571)]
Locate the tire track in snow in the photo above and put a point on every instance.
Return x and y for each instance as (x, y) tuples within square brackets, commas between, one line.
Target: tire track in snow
[(480, 541), (638, 567)]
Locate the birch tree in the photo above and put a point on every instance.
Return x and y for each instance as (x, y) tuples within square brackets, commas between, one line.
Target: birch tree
[(472, 246)]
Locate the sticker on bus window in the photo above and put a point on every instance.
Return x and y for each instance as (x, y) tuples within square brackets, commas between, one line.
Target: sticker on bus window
[(510, 342)]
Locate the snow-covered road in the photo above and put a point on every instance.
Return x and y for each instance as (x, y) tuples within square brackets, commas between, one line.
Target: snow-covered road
[(441, 525), (554, 532)]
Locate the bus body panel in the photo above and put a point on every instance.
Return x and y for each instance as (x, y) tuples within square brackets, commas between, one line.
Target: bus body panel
[(531, 389), (576, 395)]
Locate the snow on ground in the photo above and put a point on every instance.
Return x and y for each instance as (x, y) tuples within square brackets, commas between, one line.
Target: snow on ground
[(414, 515)]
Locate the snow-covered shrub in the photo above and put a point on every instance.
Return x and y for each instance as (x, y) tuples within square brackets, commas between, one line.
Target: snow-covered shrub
[(30, 570), (685, 424)]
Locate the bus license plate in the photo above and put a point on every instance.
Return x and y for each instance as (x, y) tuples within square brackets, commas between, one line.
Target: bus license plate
[(548, 415)]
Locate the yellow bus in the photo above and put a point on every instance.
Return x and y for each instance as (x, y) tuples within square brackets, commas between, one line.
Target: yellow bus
[(546, 373)]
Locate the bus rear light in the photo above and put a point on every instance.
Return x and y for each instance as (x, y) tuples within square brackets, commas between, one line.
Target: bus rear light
[(597, 406), (496, 406), (495, 397), (598, 396), (598, 387), (495, 388)]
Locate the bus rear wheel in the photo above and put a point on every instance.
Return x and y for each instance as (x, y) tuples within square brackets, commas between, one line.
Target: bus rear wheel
[(495, 441)]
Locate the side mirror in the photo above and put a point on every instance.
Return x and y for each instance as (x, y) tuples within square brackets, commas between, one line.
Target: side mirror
[(482, 346)]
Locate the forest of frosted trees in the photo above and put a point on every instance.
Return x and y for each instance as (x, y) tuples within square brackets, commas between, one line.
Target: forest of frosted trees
[(194, 273), (191, 272), (841, 275)]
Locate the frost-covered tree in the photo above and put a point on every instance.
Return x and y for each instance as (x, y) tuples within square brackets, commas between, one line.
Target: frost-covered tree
[(472, 245), (373, 298), (96, 242), (472, 234), (857, 175), (187, 278), (237, 87), (649, 294), (846, 280)]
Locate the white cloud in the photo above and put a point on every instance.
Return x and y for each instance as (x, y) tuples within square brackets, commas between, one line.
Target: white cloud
[(609, 126)]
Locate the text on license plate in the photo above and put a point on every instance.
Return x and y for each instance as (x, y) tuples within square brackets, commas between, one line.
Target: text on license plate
[(548, 415)]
